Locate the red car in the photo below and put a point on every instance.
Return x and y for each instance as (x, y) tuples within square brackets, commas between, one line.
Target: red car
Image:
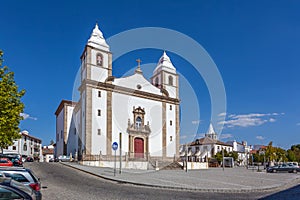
[(5, 162)]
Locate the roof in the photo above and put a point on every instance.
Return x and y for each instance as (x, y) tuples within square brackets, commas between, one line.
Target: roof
[(208, 140), (137, 82), (211, 129), (47, 151), (62, 104), (25, 133), (97, 40), (165, 63)]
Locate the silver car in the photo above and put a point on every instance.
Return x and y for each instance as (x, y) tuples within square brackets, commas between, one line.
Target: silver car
[(24, 176)]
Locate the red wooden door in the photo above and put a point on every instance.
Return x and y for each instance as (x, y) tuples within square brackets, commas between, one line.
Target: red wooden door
[(138, 148)]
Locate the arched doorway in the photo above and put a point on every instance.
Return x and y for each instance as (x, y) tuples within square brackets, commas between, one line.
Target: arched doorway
[(138, 148)]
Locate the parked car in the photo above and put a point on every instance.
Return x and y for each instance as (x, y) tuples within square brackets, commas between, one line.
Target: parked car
[(11, 189), (5, 162), (64, 158), (29, 159), (16, 159), (284, 168), (24, 176)]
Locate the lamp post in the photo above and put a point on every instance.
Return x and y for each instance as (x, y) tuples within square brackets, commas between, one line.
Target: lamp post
[(186, 158), (223, 157)]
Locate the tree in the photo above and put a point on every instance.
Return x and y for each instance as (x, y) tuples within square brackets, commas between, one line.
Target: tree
[(52, 142), (291, 155), (294, 153), (10, 107), (270, 152)]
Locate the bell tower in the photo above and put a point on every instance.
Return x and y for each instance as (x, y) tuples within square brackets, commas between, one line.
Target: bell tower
[(96, 59), (96, 67), (165, 76)]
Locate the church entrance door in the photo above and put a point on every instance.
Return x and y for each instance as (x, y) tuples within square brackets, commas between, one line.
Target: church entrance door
[(138, 148)]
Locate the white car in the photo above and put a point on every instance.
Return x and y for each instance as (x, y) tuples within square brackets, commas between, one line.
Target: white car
[(64, 158)]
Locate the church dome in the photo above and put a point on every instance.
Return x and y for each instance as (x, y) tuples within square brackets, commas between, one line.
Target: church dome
[(165, 64)]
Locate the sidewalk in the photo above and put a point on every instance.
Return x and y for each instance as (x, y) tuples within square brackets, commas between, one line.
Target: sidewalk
[(209, 180)]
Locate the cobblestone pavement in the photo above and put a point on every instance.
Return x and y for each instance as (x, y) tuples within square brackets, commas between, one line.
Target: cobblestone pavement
[(237, 179)]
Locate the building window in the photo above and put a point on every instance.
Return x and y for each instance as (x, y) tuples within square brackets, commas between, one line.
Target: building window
[(171, 122), (171, 138), (138, 122), (14, 148), (218, 147), (99, 112), (99, 131), (25, 147), (99, 59), (170, 80), (99, 93), (170, 107), (156, 81)]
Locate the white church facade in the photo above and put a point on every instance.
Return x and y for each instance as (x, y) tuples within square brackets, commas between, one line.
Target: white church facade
[(143, 115)]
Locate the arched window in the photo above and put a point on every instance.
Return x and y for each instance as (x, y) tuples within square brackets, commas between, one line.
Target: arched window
[(138, 122), (170, 80), (25, 147), (99, 59), (156, 81)]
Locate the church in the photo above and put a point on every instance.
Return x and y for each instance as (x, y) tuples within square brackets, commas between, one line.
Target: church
[(141, 115)]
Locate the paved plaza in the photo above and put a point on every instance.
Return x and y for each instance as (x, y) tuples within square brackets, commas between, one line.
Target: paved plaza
[(238, 179)]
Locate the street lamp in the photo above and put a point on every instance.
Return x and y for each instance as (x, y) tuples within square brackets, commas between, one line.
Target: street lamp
[(186, 158)]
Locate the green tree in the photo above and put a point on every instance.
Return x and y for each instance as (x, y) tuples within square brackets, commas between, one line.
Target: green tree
[(271, 152), (10, 107), (291, 155), (294, 153)]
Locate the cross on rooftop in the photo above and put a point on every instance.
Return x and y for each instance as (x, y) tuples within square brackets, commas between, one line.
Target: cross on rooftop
[(139, 62)]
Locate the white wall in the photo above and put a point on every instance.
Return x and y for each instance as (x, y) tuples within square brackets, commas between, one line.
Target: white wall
[(122, 107), (69, 120), (171, 129), (59, 131), (99, 73), (83, 116), (99, 122)]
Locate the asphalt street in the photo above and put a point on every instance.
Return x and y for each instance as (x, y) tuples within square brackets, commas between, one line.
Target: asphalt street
[(62, 182)]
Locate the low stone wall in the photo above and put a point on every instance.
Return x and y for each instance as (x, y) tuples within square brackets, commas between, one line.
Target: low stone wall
[(125, 165), (195, 165)]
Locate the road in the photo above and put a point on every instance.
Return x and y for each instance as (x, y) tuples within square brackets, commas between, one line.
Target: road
[(62, 182)]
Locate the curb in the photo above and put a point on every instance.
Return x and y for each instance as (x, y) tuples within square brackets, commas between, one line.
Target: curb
[(268, 189)]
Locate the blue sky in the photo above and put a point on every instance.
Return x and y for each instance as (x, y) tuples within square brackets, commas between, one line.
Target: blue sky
[(255, 46)]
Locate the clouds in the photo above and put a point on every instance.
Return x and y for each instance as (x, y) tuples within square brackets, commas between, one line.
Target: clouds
[(27, 116), (248, 120), (259, 137), (298, 124), (195, 122), (222, 114), (226, 136)]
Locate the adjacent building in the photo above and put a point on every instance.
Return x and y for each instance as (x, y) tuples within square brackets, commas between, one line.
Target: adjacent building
[(48, 153), (27, 145), (243, 151), (203, 148)]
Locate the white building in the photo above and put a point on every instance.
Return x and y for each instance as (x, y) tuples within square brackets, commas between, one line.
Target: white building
[(206, 147), (242, 150), (26, 146), (48, 153), (64, 114), (144, 113)]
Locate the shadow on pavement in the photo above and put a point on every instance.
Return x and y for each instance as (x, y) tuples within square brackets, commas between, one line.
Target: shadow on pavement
[(291, 193)]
